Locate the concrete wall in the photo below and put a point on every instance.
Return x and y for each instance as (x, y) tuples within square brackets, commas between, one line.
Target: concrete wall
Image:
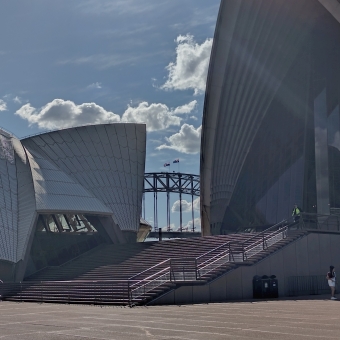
[(7, 270), (309, 255)]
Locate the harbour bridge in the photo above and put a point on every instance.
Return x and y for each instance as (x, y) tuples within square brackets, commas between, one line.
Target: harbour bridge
[(171, 183)]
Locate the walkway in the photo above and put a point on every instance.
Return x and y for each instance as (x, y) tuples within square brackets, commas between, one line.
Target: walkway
[(289, 319)]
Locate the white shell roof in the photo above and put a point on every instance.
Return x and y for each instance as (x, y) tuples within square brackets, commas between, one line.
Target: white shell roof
[(95, 169), (107, 160)]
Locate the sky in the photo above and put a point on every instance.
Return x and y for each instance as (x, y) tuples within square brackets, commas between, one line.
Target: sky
[(66, 63)]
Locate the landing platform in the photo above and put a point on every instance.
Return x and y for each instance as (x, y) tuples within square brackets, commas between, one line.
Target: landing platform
[(306, 318)]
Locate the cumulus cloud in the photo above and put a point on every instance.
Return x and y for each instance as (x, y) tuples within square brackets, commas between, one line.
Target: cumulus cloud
[(187, 140), (187, 108), (61, 113), (197, 222), (96, 85), (186, 206), (3, 105), (190, 69), (186, 227), (156, 116), (172, 227), (64, 113), (17, 100)]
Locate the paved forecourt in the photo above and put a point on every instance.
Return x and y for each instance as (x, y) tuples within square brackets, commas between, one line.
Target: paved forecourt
[(277, 319)]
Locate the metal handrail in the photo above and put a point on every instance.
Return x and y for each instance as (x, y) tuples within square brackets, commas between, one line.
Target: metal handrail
[(137, 288), (202, 263), (210, 251), (149, 277), (265, 231), (315, 218), (144, 271), (262, 239), (258, 238), (225, 253)]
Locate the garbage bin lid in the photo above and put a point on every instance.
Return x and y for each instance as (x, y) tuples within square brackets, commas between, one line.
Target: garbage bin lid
[(256, 277), (273, 276), (265, 277)]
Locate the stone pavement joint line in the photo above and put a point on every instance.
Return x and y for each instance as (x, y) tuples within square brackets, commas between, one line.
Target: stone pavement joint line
[(275, 319)]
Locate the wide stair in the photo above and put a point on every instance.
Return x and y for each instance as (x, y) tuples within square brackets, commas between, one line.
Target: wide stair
[(136, 274)]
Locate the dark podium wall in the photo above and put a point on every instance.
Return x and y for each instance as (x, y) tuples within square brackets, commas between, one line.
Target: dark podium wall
[(310, 255)]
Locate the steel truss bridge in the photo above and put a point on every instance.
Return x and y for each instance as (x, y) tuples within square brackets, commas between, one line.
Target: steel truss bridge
[(167, 182)]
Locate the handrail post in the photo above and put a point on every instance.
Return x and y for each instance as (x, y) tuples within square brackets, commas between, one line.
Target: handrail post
[(129, 293), (263, 245), (196, 269), (243, 253), (171, 271)]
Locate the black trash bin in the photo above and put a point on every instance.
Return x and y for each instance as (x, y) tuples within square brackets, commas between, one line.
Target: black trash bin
[(257, 287), (274, 287), (265, 286)]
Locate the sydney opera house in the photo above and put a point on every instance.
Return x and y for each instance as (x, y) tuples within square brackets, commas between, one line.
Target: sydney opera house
[(271, 124), (65, 192)]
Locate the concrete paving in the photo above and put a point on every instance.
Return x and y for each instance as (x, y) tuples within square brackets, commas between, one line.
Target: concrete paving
[(313, 318)]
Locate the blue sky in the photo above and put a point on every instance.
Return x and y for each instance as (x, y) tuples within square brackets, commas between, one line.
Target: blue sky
[(66, 63)]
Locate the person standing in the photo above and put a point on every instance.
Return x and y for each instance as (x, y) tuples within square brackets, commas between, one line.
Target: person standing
[(296, 212), (331, 281)]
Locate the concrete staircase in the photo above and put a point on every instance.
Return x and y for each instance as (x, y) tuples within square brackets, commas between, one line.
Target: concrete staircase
[(107, 274)]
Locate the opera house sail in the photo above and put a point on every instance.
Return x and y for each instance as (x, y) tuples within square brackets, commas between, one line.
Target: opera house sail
[(66, 192), (271, 122)]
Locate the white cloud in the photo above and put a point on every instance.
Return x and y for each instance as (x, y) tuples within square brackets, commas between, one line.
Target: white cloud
[(187, 140), (64, 113), (61, 113), (3, 105), (96, 85), (156, 116), (186, 227), (191, 66), (197, 221), (186, 206), (187, 108), (17, 100), (172, 227)]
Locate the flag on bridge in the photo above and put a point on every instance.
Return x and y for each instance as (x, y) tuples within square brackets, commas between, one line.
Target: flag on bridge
[(176, 161), (166, 164)]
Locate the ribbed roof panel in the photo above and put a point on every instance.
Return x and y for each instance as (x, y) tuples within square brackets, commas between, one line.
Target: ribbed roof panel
[(255, 44), (106, 160)]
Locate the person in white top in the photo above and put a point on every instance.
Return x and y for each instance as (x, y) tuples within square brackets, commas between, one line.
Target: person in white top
[(331, 281)]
